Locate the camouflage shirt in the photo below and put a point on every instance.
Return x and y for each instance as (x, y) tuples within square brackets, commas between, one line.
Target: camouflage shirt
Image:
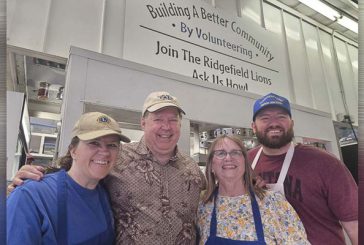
[(154, 203)]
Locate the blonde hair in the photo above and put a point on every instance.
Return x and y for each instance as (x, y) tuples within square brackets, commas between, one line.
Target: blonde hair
[(247, 177)]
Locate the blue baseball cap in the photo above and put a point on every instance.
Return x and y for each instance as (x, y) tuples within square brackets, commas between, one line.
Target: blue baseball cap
[(271, 99)]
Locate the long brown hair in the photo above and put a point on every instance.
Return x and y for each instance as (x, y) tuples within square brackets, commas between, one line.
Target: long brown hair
[(248, 173)]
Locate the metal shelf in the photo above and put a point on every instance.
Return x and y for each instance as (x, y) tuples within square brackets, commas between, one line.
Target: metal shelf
[(36, 155)]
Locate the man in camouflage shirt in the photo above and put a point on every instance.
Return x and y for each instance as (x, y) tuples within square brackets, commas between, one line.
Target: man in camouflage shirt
[(155, 188)]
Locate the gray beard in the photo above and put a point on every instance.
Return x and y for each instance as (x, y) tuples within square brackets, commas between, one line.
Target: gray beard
[(275, 142)]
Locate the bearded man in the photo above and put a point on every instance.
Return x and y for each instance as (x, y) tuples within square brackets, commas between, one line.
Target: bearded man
[(317, 184)]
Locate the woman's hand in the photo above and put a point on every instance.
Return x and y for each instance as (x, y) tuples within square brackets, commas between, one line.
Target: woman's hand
[(258, 181)]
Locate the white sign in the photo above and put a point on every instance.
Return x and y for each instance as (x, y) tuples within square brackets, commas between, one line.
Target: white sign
[(193, 39)]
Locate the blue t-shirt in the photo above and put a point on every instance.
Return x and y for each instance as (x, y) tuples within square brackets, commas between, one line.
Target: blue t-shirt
[(32, 213)]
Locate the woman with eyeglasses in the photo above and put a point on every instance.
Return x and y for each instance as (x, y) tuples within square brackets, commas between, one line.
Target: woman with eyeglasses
[(70, 206), (234, 211)]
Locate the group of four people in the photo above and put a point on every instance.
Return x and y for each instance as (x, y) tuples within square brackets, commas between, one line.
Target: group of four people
[(159, 195)]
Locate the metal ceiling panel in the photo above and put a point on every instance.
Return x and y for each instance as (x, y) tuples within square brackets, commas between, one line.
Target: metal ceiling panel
[(346, 7), (351, 34), (322, 19), (339, 28), (303, 9), (291, 3)]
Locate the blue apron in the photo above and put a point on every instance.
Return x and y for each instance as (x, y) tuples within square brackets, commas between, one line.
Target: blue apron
[(213, 239), (62, 234)]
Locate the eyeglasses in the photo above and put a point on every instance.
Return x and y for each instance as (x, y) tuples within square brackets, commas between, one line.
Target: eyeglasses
[(221, 154)]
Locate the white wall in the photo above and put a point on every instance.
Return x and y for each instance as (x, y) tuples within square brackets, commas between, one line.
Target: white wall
[(14, 102), (104, 80), (323, 69)]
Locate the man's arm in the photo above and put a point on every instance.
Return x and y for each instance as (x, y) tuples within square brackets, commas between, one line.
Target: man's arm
[(26, 172), (351, 228)]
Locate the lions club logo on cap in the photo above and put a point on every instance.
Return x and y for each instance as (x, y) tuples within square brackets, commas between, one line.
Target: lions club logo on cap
[(271, 99), (165, 97), (103, 119)]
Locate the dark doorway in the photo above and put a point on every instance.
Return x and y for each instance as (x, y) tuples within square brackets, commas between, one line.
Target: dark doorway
[(350, 158)]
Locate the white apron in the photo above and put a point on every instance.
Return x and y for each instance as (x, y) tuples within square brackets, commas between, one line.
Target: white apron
[(286, 163)]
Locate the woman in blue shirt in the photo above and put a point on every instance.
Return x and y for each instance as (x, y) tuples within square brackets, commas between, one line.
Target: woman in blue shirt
[(70, 206)]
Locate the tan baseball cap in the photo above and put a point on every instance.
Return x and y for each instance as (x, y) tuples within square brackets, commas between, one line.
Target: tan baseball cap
[(92, 125), (158, 100)]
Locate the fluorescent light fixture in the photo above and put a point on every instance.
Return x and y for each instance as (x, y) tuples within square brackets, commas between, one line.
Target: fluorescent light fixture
[(348, 23), (322, 8), (332, 14)]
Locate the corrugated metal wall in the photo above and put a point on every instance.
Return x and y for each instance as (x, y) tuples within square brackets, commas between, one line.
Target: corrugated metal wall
[(323, 66)]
